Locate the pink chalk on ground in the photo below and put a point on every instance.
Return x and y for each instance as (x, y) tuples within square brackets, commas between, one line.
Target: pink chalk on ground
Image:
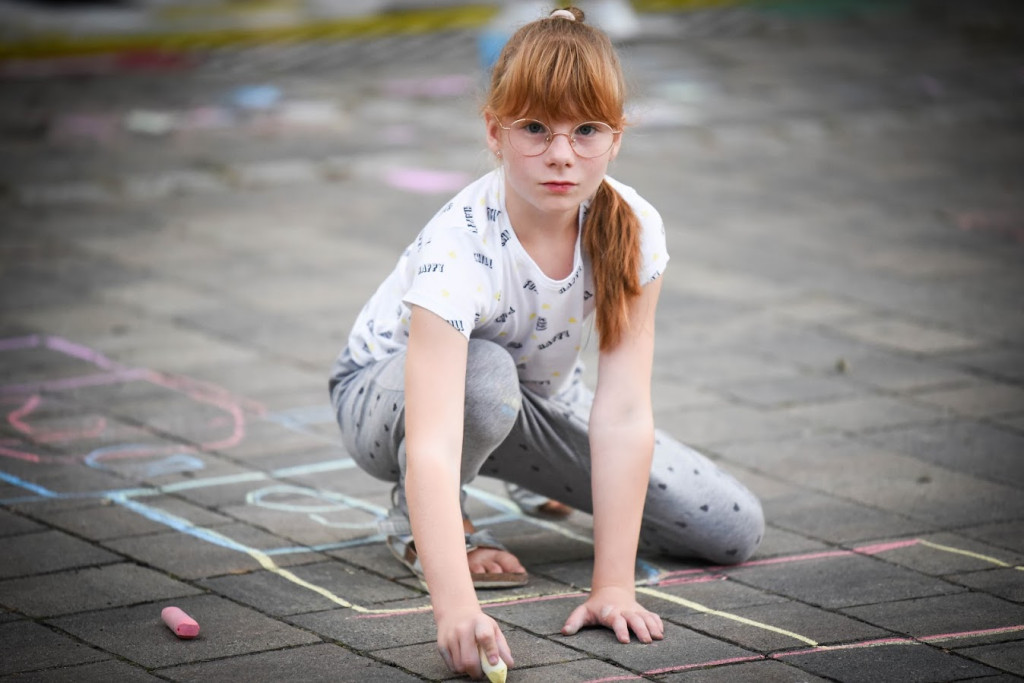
[(182, 624)]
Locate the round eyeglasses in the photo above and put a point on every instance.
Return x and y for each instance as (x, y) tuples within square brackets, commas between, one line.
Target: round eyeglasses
[(531, 138)]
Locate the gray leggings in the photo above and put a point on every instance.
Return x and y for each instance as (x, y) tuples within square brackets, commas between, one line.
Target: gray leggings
[(693, 508)]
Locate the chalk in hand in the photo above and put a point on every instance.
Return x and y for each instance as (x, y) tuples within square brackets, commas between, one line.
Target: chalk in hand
[(495, 673), (182, 624)]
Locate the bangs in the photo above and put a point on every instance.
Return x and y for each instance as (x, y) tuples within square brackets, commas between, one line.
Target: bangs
[(572, 75)]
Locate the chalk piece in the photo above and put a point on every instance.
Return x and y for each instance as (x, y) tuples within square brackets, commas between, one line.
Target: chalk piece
[(495, 673), (182, 624)]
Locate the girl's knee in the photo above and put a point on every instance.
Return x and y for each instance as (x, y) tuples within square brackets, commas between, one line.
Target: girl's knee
[(493, 397)]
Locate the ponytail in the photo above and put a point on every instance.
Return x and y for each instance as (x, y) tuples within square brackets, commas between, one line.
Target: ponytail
[(611, 237)]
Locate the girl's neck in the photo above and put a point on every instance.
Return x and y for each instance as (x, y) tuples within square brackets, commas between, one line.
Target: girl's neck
[(550, 240)]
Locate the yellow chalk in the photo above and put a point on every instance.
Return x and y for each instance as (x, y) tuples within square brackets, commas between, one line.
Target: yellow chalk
[(495, 673)]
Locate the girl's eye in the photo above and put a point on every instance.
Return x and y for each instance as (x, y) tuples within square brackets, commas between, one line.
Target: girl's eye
[(586, 130), (535, 128)]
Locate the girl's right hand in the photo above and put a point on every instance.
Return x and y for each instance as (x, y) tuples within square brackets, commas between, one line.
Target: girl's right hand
[(460, 637)]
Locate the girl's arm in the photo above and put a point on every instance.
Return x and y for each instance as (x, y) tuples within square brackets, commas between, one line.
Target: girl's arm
[(435, 385), (621, 448)]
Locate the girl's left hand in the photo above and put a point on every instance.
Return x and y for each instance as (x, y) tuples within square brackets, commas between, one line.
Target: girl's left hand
[(618, 610)]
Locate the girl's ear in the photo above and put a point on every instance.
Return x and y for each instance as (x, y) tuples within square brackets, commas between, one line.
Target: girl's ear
[(615, 147), (493, 133)]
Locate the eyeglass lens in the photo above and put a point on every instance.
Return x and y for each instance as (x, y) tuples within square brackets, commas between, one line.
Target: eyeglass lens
[(591, 139)]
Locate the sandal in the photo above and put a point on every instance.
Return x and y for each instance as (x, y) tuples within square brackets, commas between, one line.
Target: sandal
[(404, 549), (536, 505)]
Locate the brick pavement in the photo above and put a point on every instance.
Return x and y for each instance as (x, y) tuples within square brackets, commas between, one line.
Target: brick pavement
[(840, 328)]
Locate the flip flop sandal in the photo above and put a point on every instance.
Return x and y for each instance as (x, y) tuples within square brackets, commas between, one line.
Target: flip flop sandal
[(404, 550)]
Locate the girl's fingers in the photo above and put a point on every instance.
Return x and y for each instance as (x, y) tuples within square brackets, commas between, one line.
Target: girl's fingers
[(639, 626)]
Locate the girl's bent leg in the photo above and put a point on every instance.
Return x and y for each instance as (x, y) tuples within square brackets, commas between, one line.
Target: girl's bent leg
[(370, 409), (693, 508), (696, 509)]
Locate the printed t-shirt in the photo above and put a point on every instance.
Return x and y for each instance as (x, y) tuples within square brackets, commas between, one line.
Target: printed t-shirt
[(468, 267)]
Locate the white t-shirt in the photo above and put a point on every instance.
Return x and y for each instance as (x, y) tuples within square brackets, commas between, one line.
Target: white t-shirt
[(468, 267)]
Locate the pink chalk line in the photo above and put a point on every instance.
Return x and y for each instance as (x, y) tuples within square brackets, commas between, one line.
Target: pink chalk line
[(15, 420), (877, 642)]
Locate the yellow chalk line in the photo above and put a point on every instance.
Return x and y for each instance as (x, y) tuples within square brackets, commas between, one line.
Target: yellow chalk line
[(968, 553), (725, 615)]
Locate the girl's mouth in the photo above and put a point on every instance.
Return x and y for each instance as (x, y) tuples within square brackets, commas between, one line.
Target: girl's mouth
[(559, 188)]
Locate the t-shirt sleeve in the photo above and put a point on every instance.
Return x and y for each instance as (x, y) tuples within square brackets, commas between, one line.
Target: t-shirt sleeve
[(450, 276)]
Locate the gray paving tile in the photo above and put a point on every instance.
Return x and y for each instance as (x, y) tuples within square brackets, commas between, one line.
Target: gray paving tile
[(1003, 583), (945, 553), (91, 588), (1004, 534), (779, 392), (12, 524), (29, 646), (102, 520), (841, 581), (138, 634), (995, 453), (911, 663), (969, 614), (188, 557), (99, 672), (681, 647), (1007, 657), (323, 662), (527, 650), (863, 413), (717, 594), (275, 595), (367, 632), (795, 619), (48, 551), (836, 520), (767, 671)]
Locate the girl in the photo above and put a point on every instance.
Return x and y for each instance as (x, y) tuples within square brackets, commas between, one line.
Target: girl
[(465, 360)]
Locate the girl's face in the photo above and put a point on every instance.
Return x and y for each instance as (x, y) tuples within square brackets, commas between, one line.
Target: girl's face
[(553, 183)]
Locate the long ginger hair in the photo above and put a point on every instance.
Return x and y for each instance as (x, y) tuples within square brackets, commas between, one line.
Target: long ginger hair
[(557, 69)]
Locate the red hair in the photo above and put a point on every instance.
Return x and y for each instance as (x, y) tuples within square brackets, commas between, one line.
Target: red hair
[(558, 69)]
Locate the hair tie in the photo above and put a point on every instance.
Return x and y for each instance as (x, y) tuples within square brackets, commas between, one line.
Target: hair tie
[(563, 13)]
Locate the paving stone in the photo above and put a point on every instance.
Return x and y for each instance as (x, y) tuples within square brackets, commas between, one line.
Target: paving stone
[(322, 662), (891, 662), (1003, 656), (1001, 362), (104, 521), (811, 623), (527, 650), (49, 551), (12, 524), (968, 614), (713, 426), (901, 373), (110, 670), (766, 671), (717, 594), (1003, 583), (571, 672), (864, 413), (371, 632), (80, 590), (837, 521), (138, 634), (994, 452), (681, 647), (188, 557), (1003, 534), (980, 400), (29, 646), (275, 595), (946, 553), (841, 581), (785, 391)]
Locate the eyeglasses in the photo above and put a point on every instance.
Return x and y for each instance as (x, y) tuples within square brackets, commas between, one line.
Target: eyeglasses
[(532, 138)]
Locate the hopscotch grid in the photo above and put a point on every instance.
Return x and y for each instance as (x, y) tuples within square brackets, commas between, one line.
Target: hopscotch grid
[(505, 509)]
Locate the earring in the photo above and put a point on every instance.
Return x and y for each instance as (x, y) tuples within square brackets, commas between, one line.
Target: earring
[(498, 154)]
